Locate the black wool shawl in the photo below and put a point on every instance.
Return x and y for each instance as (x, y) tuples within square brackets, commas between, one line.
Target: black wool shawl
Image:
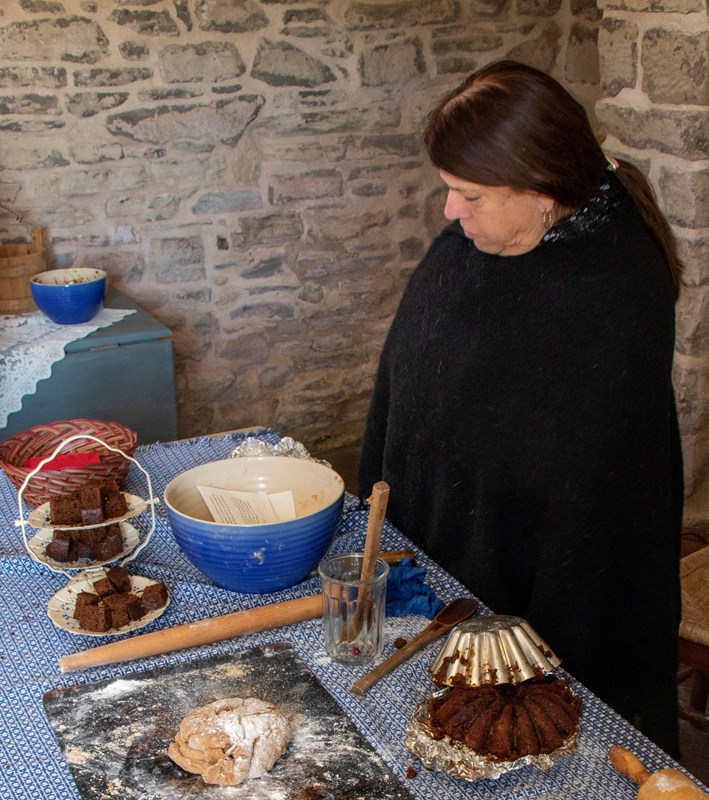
[(524, 417)]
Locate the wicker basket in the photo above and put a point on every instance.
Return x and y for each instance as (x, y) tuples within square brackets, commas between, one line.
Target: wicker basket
[(18, 264), (43, 439)]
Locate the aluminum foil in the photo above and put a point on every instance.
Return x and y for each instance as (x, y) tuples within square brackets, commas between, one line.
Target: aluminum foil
[(447, 755), (286, 447), (491, 650)]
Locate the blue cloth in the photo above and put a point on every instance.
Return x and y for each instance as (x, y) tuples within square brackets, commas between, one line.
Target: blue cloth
[(407, 594)]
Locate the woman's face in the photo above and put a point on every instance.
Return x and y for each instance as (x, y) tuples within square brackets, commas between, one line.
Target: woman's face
[(498, 219)]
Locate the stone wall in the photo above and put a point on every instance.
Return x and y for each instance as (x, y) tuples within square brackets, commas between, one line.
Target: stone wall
[(655, 107), (252, 172)]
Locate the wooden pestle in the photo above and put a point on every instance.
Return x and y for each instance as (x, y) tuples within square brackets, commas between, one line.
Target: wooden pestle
[(192, 634), (665, 784)]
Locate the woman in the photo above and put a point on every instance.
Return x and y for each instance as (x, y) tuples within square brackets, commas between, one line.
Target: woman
[(523, 411)]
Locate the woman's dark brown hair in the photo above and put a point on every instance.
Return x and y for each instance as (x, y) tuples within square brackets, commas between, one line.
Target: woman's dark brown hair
[(512, 125)]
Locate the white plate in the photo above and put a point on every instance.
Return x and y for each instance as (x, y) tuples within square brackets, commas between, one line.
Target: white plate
[(39, 518), (38, 545), (61, 606)]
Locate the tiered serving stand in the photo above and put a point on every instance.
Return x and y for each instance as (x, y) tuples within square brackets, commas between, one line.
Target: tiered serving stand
[(37, 533)]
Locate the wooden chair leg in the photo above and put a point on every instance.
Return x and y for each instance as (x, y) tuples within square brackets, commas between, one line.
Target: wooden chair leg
[(684, 673), (699, 692), (696, 656), (696, 710)]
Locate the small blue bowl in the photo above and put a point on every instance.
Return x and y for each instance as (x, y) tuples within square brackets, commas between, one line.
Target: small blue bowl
[(69, 296), (256, 559)]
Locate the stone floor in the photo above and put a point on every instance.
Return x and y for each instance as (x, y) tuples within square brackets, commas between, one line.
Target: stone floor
[(694, 743)]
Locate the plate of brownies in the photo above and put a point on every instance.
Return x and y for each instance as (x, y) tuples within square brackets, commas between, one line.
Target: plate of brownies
[(83, 548), (108, 603), (93, 505)]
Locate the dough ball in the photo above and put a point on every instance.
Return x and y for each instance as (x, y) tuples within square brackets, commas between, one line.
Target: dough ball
[(231, 741)]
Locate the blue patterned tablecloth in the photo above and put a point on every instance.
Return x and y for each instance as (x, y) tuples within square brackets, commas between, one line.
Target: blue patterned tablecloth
[(31, 763)]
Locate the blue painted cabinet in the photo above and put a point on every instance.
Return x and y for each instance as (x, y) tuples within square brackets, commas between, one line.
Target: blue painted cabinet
[(124, 372)]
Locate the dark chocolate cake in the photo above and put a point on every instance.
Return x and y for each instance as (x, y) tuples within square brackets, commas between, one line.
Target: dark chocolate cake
[(508, 721)]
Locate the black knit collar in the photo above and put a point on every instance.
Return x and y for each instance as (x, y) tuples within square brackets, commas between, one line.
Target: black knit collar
[(596, 213)]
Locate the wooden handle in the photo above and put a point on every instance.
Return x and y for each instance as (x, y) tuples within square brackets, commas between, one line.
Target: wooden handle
[(215, 629), (377, 512), (665, 784), (395, 557), (425, 637), (628, 764)]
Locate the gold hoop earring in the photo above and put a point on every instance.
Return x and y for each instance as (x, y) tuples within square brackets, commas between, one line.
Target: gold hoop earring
[(547, 219)]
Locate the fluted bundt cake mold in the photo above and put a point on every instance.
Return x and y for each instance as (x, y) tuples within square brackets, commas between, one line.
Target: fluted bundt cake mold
[(492, 650)]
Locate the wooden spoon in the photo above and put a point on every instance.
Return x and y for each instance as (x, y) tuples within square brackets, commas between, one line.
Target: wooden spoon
[(377, 513), (447, 618)]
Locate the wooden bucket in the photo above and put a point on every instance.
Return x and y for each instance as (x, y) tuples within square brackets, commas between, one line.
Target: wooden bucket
[(18, 263)]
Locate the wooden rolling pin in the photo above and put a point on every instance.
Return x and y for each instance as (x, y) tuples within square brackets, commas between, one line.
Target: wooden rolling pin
[(665, 784), (192, 634)]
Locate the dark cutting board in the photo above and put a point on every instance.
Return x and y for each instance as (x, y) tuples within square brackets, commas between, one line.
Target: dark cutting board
[(114, 734)]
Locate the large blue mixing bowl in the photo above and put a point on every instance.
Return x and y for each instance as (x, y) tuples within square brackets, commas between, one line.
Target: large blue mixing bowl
[(256, 558), (69, 296)]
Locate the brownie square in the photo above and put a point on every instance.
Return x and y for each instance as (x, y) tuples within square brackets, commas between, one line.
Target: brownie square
[(107, 487), (154, 596), (91, 516), (94, 618), (89, 537), (103, 587), (111, 530), (90, 496), (85, 599), (114, 601), (119, 617), (83, 551), (114, 504), (110, 547), (90, 505), (64, 510), (120, 578), (61, 548), (134, 606)]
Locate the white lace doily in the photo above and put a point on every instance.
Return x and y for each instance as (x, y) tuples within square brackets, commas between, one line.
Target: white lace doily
[(29, 346)]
